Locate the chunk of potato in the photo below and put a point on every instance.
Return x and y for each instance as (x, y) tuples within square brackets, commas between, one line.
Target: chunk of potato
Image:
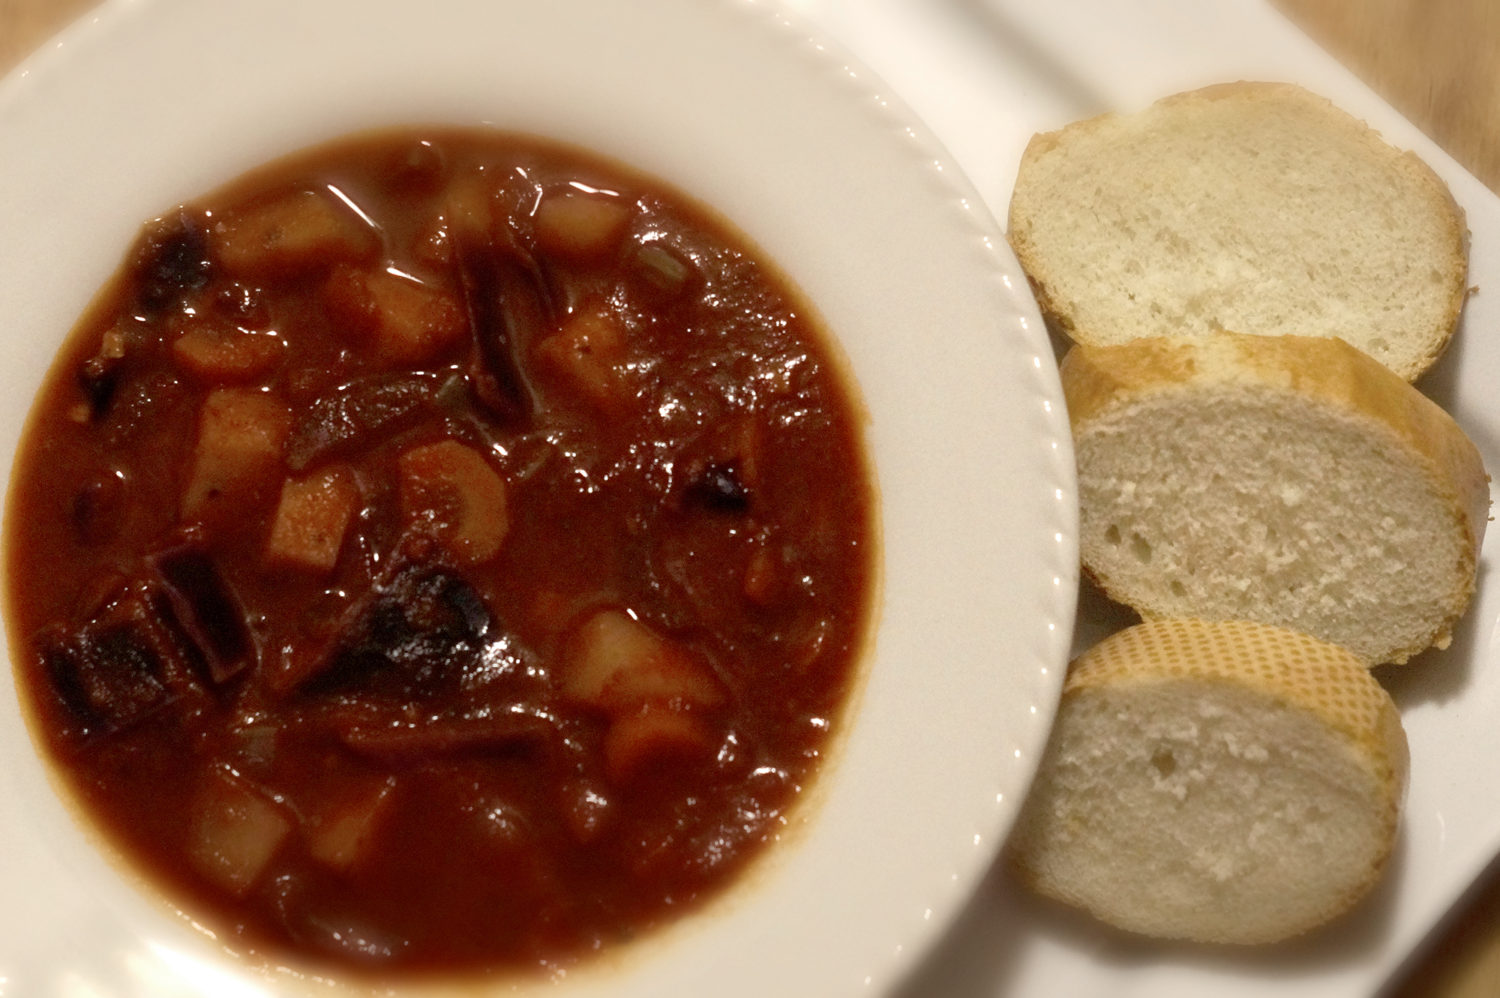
[(402, 321), (235, 832), (312, 518), (618, 664), (295, 231), (238, 452), (578, 225), (344, 831), (469, 208), (451, 491), (653, 736), (221, 353)]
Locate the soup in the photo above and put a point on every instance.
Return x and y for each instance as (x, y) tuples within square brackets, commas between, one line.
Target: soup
[(441, 552)]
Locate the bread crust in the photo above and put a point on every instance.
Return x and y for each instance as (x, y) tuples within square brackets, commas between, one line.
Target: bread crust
[(1214, 662), (1081, 308), (1098, 380)]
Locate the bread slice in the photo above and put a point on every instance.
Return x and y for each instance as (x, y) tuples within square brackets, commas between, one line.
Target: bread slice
[(1255, 207), (1222, 782), (1287, 480)]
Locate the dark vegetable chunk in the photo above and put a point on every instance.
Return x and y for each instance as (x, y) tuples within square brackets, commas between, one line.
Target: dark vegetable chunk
[(116, 669), (172, 261), (206, 609), (361, 413), (416, 637), (508, 306), (108, 677)]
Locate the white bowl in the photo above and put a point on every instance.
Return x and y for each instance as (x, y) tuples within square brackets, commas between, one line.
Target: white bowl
[(735, 102)]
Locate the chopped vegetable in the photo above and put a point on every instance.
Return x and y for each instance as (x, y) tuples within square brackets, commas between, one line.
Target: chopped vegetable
[(401, 321), (588, 352), (618, 664), (442, 736), (109, 677), (172, 260), (220, 353), (653, 735), (417, 635), (312, 518), (206, 609), (289, 232), (240, 436), (452, 492), (235, 832), (662, 269), (508, 305), (580, 226), (360, 414), (343, 830), (468, 207)]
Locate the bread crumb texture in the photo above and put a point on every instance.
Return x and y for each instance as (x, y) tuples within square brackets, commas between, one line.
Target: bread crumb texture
[(1287, 480), (1255, 207), (1225, 782)]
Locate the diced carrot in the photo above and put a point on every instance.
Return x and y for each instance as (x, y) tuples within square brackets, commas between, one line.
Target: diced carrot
[(654, 734), (235, 832), (298, 230), (312, 519), (617, 663), (346, 829), (453, 492), (580, 226), (223, 353), (238, 452), (587, 352), (404, 322)]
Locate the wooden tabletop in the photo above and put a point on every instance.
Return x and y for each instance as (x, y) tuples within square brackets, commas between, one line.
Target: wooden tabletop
[(1438, 63)]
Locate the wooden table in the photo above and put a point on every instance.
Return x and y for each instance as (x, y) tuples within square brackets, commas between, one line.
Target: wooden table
[(1438, 63)]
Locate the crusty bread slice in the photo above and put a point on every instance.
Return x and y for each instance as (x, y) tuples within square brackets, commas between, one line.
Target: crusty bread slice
[(1223, 782), (1259, 208), (1288, 480)]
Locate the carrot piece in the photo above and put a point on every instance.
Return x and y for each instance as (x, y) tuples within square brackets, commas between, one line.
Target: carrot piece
[(587, 352), (238, 452), (295, 231), (451, 491), (312, 519), (578, 225), (618, 664), (403, 321)]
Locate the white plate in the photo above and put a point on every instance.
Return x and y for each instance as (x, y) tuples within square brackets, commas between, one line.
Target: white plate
[(157, 100), (986, 75)]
